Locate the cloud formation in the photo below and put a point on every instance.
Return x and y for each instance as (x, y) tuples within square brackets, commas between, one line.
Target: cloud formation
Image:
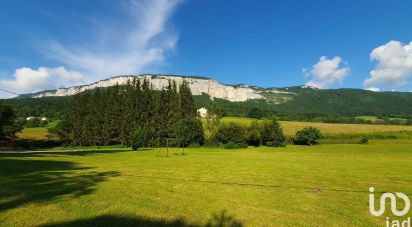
[(136, 38), (326, 72), (123, 47), (29, 80), (394, 65)]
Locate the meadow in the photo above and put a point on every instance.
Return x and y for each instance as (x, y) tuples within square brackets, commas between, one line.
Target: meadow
[(33, 133), (291, 127), (324, 185)]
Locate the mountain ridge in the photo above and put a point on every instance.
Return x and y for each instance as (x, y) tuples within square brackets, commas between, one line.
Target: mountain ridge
[(197, 84)]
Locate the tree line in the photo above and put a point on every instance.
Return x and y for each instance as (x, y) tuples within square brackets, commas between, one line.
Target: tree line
[(112, 115)]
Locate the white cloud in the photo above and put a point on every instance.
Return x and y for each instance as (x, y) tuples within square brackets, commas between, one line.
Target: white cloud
[(394, 65), (127, 46), (375, 89), (326, 72), (28, 80)]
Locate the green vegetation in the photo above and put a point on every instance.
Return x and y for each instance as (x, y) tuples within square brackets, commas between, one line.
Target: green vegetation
[(50, 107), (337, 106), (139, 139), (8, 123), (33, 133), (35, 123), (272, 134), (307, 136), (111, 116), (325, 185), (189, 131), (291, 127), (231, 136), (255, 113)]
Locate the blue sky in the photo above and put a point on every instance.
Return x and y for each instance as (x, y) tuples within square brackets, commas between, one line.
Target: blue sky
[(46, 44)]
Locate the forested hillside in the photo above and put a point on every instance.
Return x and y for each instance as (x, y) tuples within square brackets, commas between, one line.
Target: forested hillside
[(307, 103), (349, 102)]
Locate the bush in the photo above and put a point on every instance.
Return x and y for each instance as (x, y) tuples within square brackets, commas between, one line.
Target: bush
[(307, 136), (211, 143), (189, 131), (230, 133), (139, 139), (232, 145), (364, 140), (272, 134)]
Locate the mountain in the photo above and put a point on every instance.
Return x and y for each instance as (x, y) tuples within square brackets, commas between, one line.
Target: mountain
[(298, 102), (198, 86)]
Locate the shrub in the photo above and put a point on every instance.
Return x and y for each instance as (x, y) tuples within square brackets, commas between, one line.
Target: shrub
[(364, 140), (189, 131), (307, 136), (139, 139), (211, 143), (231, 133), (272, 134), (232, 145)]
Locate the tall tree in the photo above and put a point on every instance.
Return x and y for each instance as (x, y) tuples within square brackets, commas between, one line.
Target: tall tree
[(8, 124), (187, 107), (111, 115)]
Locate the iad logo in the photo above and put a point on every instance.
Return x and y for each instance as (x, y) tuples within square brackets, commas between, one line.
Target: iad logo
[(395, 211)]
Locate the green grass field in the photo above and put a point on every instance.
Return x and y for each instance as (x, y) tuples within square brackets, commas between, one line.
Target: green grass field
[(291, 127), (37, 133), (33, 133), (325, 185)]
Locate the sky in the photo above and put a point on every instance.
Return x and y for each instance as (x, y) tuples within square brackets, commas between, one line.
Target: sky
[(47, 44)]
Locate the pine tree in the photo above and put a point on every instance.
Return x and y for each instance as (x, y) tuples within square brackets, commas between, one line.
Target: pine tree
[(187, 108), (112, 115)]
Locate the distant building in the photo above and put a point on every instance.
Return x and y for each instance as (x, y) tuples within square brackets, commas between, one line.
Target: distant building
[(202, 112)]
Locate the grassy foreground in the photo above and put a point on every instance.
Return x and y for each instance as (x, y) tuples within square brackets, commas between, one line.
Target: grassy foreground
[(325, 185)]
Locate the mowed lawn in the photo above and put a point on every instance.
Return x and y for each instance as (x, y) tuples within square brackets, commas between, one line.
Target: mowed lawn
[(325, 185), (291, 127)]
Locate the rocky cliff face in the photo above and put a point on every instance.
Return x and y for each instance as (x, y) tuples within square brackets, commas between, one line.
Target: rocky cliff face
[(197, 85)]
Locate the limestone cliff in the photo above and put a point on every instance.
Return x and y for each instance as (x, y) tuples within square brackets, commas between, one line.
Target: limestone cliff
[(198, 85)]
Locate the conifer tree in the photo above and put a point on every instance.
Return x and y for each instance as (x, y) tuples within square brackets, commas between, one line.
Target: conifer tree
[(112, 115), (187, 108)]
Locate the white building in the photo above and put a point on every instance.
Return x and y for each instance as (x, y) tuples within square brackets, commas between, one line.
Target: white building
[(202, 112)]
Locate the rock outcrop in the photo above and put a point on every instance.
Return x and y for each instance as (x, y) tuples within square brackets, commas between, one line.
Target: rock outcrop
[(198, 86)]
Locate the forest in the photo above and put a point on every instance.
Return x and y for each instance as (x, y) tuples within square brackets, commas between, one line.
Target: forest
[(111, 116), (319, 105)]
